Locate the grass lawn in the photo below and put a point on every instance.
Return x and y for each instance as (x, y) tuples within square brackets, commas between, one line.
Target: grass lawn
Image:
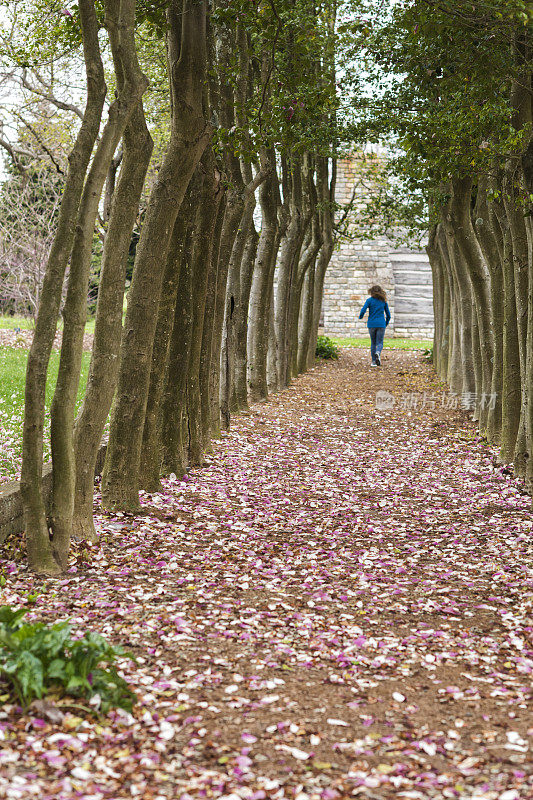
[(27, 323), (12, 376), (24, 323), (389, 344)]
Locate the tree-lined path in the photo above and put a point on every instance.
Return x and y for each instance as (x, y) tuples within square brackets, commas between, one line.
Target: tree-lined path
[(336, 605)]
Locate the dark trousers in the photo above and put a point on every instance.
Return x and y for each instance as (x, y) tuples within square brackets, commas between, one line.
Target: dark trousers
[(376, 341)]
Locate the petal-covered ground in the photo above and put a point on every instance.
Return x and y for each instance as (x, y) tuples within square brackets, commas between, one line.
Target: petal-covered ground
[(337, 605)]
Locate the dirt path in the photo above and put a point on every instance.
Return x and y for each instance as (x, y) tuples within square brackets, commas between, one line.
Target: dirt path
[(338, 605)]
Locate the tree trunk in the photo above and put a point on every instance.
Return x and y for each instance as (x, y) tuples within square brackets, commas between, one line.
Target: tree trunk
[(241, 324), (245, 249), (287, 267), (454, 374), (511, 400), (306, 265), (206, 353), (173, 408), (263, 276), (150, 464), (511, 383), (440, 304), (489, 241), (464, 299), (326, 200), (306, 328), (103, 369), (202, 258), (189, 137), (513, 200), (527, 167), (471, 256), (273, 347), (40, 556), (120, 22)]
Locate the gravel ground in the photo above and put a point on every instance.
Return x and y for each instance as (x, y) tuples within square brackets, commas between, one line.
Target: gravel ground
[(337, 605)]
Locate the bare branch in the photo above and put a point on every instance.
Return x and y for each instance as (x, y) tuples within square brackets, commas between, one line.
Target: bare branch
[(15, 152), (47, 95), (39, 139)]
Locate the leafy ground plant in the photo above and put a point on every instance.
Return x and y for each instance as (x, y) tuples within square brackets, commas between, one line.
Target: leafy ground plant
[(36, 659), (326, 348)]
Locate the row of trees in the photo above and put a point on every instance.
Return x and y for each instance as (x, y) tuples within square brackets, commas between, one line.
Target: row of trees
[(458, 111), (237, 232)]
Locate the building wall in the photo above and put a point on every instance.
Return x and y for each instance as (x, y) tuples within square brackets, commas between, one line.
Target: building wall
[(356, 265)]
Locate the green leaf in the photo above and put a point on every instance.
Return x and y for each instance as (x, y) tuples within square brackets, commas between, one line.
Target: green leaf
[(76, 682), (10, 617), (56, 669), (29, 673), (36, 657)]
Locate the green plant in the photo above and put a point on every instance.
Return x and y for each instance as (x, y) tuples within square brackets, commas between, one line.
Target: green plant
[(389, 344), (36, 659), (12, 381), (326, 348), (428, 354)]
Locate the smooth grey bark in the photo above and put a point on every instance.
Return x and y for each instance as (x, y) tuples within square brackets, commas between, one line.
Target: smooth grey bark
[(464, 301), (245, 248), (241, 324), (174, 435), (441, 300), (301, 329), (120, 24), (103, 368), (202, 258), (527, 168), (150, 463), (511, 377), (40, 553), (291, 244), (206, 352), (472, 259), (272, 349), (190, 134), (262, 282), (326, 200), (235, 303), (454, 373), (490, 245), (514, 201), (110, 184), (306, 318)]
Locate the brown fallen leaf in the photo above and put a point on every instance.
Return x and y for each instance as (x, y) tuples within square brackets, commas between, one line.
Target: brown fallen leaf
[(48, 710)]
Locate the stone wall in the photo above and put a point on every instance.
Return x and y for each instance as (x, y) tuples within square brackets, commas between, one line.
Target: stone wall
[(355, 265)]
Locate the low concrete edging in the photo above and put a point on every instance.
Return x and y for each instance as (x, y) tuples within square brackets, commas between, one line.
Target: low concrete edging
[(11, 513)]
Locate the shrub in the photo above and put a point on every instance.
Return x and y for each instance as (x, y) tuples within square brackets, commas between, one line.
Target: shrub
[(428, 354), (326, 348), (36, 659)]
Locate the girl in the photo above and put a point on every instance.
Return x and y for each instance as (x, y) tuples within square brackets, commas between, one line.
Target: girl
[(378, 319)]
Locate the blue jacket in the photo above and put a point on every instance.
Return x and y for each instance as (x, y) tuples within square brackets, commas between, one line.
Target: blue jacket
[(378, 314)]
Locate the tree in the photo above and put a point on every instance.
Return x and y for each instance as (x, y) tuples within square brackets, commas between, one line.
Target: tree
[(460, 123), (244, 112)]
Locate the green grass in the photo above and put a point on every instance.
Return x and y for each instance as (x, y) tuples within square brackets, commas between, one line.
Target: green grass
[(24, 323), (28, 324), (12, 377), (389, 344)]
